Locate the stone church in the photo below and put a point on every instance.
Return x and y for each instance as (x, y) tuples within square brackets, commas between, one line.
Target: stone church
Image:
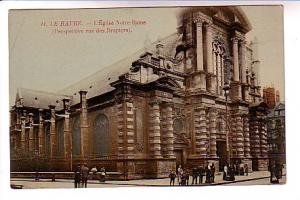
[(189, 99)]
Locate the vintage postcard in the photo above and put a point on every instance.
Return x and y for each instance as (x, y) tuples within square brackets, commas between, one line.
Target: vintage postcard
[(161, 96)]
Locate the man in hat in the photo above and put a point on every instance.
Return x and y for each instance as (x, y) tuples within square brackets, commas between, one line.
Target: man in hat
[(84, 174), (77, 176)]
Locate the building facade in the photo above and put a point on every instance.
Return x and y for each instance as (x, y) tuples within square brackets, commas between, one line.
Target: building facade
[(276, 133), (164, 106)]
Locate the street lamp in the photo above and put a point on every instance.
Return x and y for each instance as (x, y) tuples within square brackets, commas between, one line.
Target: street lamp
[(226, 89)]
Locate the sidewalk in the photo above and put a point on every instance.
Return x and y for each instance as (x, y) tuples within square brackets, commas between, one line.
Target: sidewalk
[(68, 183), (165, 182)]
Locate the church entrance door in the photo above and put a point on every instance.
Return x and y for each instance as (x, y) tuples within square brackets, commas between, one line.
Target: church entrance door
[(221, 153), (179, 157)]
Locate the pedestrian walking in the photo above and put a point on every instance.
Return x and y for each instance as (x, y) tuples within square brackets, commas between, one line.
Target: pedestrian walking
[(172, 177), (246, 169), (183, 179), (231, 173), (179, 174), (201, 174), (84, 175), (77, 176), (242, 170), (212, 169), (194, 175), (187, 176), (225, 172), (102, 174), (208, 174)]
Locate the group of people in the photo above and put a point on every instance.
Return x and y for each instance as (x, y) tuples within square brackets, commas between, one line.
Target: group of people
[(183, 175), (237, 169), (82, 172)]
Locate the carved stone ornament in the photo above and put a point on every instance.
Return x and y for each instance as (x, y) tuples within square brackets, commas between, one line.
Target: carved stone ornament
[(139, 147), (181, 138)]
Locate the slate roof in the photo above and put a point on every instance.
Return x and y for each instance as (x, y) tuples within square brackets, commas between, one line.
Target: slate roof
[(99, 82), (279, 106), (96, 84), (40, 99)]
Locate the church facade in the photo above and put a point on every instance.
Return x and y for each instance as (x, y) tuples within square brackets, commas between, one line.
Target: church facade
[(188, 99)]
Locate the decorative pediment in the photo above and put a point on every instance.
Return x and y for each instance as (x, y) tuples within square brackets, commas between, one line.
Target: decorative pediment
[(181, 138), (169, 82)]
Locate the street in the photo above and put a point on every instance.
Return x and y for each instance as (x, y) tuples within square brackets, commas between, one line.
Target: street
[(255, 178)]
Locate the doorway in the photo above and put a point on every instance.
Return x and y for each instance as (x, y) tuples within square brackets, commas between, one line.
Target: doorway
[(179, 157), (221, 153), (255, 164)]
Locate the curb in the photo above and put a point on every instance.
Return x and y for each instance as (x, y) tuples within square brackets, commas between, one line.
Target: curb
[(213, 184), (205, 184)]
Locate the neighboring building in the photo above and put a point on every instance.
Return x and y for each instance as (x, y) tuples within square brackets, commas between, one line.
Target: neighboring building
[(162, 107), (271, 97), (275, 124), (276, 133)]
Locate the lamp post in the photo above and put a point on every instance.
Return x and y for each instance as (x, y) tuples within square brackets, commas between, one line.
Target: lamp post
[(226, 89)]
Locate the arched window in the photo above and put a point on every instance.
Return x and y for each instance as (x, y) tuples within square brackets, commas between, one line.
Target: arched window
[(102, 142), (47, 140), (76, 137), (219, 56), (178, 125), (60, 137)]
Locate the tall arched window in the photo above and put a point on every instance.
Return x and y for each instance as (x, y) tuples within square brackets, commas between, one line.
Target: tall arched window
[(60, 137), (47, 140), (102, 142), (76, 137), (219, 56)]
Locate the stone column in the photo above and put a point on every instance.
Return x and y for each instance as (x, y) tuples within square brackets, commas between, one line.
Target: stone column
[(23, 138), (67, 129), (211, 77), (200, 75), (203, 132), (31, 136), (129, 129), (197, 132), (125, 117), (41, 134), (243, 61), (199, 24), (232, 133), (246, 138), (236, 72), (239, 136), (120, 125), (255, 139), (169, 134), (52, 132), (84, 124), (209, 58), (154, 130), (213, 131), (263, 139)]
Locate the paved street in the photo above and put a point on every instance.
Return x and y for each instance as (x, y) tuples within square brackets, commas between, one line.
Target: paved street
[(256, 178), (264, 181)]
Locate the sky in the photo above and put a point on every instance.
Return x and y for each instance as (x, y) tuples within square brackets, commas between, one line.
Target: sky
[(43, 59)]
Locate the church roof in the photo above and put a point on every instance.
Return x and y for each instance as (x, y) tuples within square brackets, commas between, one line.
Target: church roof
[(39, 99), (99, 82)]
